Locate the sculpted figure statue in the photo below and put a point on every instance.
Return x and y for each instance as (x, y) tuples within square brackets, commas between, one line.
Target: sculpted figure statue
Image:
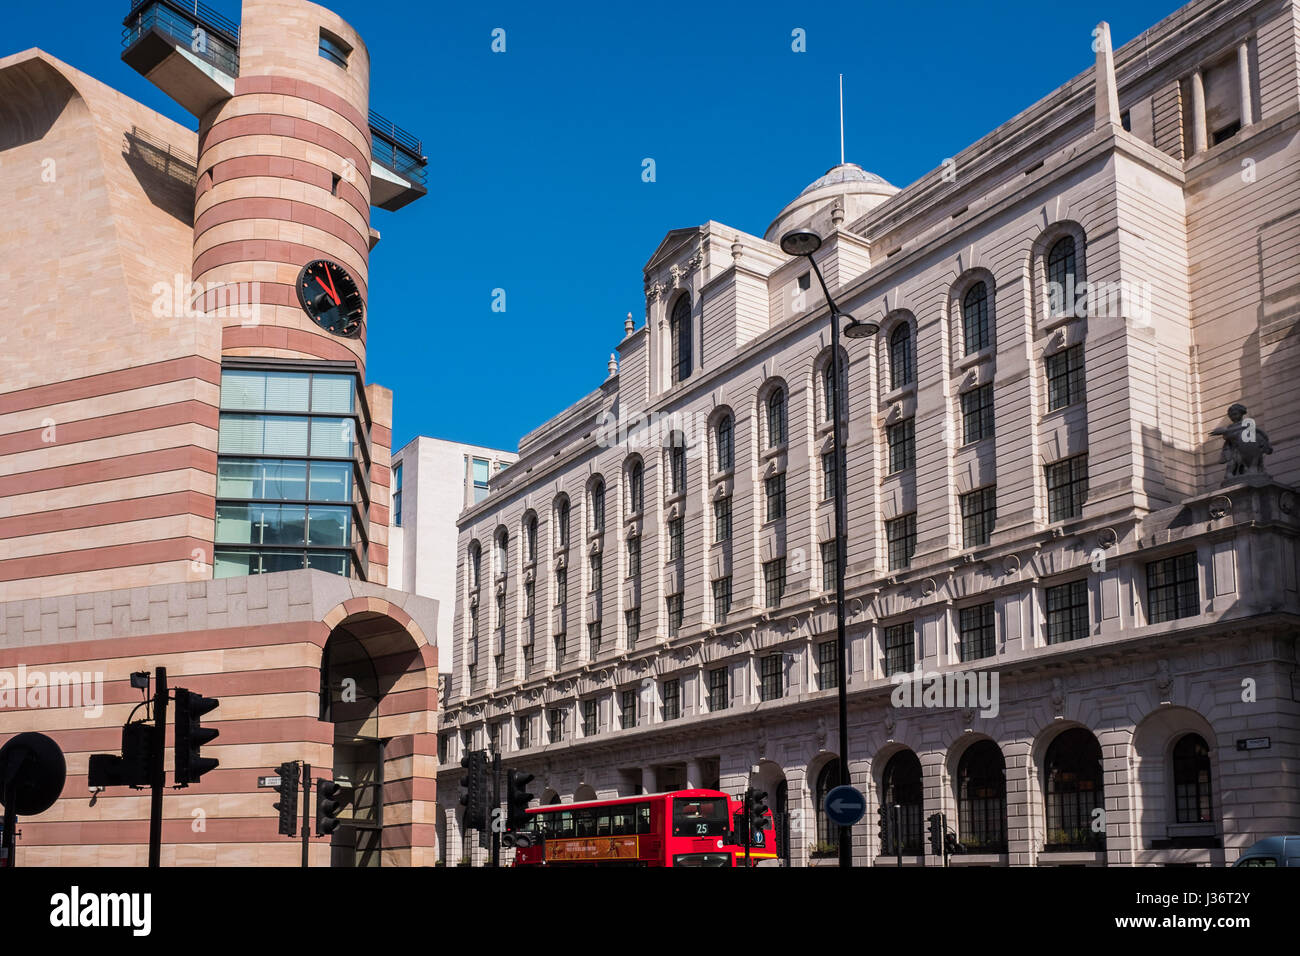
[(1244, 444)]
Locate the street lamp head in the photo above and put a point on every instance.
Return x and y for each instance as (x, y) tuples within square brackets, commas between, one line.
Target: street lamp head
[(800, 242), (860, 330)]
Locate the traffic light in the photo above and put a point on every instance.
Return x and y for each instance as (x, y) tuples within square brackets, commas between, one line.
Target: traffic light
[(936, 833), (886, 829), (328, 806), (950, 844), (192, 735), (131, 768), (517, 798), (474, 790), (288, 791), (756, 808)]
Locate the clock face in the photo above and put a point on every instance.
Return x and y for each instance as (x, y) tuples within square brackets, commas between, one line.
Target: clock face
[(331, 297)]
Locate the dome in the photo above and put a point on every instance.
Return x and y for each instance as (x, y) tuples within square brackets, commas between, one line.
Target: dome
[(847, 185), (846, 173)]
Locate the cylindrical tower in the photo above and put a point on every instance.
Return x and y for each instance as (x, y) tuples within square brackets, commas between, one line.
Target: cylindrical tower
[(284, 181)]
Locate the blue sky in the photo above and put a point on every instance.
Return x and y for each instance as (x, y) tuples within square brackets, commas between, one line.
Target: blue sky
[(535, 154)]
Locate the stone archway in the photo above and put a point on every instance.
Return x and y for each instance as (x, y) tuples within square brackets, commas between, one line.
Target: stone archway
[(379, 691)]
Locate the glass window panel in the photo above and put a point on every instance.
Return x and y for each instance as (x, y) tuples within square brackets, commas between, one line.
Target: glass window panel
[(333, 393), (332, 563), (236, 478), (332, 481), (330, 527), (239, 435), (480, 471), (286, 391), (234, 524), (234, 564), (285, 436), (243, 389), (332, 437), (256, 523)]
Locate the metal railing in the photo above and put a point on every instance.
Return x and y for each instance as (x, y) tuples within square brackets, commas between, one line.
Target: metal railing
[(396, 149), (218, 43)]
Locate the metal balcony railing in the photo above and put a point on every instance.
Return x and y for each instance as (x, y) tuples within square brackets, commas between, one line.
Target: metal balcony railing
[(217, 43)]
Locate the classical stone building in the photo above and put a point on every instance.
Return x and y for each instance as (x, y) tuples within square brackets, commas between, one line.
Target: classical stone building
[(184, 410), (1035, 493)]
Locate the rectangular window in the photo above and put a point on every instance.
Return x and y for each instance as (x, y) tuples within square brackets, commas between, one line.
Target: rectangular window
[(1172, 588), (589, 717), (828, 476), (597, 573), (555, 720), (902, 445), (1067, 612), (397, 496), (561, 587), (721, 599), (593, 635), (442, 748), (978, 515), (900, 648), (1065, 382), (674, 614), (828, 665), (978, 635), (494, 737), (721, 519), (633, 557), (674, 539), (900, 533), (334, 49), (775, 487), (774, 582), (525, 731), (977, 414), (1067, 488), (719, 696), (633, 618), (481, 473), (627, 709), (677, 462), (770, 677), (672, 699), (559, 650), (829, 561)]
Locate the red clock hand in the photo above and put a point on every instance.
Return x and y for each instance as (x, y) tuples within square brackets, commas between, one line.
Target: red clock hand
[(332, 294), (330, 276)]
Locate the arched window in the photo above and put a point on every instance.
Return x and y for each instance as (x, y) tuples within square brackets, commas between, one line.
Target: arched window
[(1074, 790), (562, 523), (503, 552), (776, 418), (828, 387), (982, 798), (828, 834), (901, 785), (598, 505), (531, 537), (475, 565), (1062, 281), (1192, 780), (677, 462), (726, 444), (975, 317), (636, 488), (901, 367), (680, 326)]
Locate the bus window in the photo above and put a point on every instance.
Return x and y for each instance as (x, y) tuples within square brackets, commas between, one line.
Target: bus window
[(643, 818), (564, 826), (699, 816), (623, 823), (585, 823), (602, 823)]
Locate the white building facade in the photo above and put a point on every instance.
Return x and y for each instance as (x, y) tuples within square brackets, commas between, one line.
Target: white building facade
[(1037, 509), (434, 480)]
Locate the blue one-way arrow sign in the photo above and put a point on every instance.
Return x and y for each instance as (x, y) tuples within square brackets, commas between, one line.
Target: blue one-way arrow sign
[(845, 806)]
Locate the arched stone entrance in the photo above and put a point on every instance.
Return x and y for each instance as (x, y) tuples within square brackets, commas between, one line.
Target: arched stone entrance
[(379, 689)]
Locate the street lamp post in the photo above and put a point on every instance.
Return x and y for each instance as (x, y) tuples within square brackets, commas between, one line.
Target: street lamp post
[(803, 242)]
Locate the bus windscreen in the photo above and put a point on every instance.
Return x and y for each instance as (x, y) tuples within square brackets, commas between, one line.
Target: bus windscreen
[(699, 816)]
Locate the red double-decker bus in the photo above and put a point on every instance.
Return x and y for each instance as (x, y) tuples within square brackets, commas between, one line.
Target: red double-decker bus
[(680, 828)]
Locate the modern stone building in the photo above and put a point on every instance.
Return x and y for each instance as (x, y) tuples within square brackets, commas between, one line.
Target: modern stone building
[(1035, 493), (434, 480), (194, 469)]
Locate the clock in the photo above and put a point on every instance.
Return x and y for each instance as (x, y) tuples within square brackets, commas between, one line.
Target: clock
[(331, 297)]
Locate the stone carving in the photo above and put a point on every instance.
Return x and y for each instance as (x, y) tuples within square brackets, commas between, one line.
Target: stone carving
[(1244, 444), (1058, 695), (968, 717), (1164, 681), (821, 732), (653, 290), (890, 721)]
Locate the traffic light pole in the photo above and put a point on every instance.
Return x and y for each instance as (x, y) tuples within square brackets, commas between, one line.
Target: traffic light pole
[(306, 808), (898, 833), (157, 771)]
